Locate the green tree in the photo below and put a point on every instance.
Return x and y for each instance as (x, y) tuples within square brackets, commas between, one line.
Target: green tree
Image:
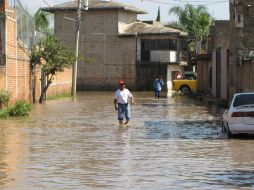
[(158, 15), (53, 57), (42, 21), (195, 21)]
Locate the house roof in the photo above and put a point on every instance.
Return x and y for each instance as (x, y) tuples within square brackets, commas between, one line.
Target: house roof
[(94, 5), (150, 28)]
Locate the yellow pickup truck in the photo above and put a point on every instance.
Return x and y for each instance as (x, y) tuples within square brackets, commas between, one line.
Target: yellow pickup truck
[(185, 85)]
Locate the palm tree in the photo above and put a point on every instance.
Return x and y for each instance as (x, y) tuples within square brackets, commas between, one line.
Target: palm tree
[(195, 21), (42, 21)]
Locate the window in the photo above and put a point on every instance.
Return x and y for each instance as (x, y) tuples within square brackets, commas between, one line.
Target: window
[(147, 45), (243, 99), (239, 18), (160, 44)]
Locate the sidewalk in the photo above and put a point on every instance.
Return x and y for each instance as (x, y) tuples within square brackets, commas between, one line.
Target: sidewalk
[(210, 100)]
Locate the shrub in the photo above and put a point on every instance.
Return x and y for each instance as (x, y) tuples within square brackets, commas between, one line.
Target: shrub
[(4, 98), (4, 113), (20, 108)]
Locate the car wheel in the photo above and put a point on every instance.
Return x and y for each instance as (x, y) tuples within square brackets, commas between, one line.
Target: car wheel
[(229, 134), (185, 89), (223, 128)]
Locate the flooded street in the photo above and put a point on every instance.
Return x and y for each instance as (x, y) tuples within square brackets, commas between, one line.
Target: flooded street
[(173, 143)]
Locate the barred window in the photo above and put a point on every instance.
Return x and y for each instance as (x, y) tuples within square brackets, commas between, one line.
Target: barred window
[(158, 44)]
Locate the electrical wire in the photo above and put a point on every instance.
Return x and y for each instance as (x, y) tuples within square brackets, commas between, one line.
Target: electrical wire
[(46, 3), (205, 2)]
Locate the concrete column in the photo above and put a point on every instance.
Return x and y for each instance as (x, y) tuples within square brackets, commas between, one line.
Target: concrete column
[(170, 78)]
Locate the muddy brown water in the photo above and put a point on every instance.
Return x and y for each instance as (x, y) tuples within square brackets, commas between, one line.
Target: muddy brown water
[(171, 143)]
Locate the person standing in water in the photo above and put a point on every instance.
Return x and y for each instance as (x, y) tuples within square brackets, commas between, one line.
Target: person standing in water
[(121, 102), (157, 86)]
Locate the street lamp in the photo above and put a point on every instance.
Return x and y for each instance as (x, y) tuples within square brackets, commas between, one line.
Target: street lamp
[(74, 67)]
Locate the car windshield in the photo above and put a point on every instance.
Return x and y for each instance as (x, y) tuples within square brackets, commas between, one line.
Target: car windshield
[(243, 99)]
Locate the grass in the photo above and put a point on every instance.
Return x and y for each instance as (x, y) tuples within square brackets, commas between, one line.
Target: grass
[(58, 96)]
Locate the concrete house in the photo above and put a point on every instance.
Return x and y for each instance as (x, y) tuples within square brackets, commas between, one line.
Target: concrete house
[(241, 69), (118, 46), (212, 68)]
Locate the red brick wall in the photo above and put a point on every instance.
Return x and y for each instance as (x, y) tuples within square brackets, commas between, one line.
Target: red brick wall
[(17, 69), (11, 55), (3, 5), (2, 78)]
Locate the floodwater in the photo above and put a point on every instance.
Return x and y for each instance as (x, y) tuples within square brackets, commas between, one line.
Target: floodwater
[(170, 144)]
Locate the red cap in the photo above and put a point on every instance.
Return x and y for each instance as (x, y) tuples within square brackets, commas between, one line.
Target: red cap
[(121, 82)]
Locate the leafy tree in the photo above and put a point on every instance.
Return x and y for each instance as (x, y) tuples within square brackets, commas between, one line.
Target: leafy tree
[(53, 57), (42, 21), (195, 21)]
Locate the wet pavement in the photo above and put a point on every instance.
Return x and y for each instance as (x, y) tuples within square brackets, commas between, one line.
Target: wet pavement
[(173, 143)]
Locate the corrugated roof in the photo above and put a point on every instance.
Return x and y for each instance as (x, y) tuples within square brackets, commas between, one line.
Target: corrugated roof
[(95, 5), (153, 28)]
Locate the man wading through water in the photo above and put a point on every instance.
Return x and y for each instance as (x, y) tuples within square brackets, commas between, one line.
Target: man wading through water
[(122, 95)]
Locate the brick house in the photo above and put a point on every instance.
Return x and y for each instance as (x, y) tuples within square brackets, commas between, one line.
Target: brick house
[(16, 75), (118, 46)]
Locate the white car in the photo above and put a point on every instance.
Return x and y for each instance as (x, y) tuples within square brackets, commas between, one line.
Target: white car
[(239, 117)]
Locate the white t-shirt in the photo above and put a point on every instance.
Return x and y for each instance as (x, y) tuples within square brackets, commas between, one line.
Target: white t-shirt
[(122, 96)]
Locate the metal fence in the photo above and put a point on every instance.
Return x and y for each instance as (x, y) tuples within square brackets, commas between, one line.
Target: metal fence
[(25, 25)]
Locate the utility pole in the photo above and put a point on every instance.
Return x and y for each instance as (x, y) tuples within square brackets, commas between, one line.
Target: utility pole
[(74, 67)]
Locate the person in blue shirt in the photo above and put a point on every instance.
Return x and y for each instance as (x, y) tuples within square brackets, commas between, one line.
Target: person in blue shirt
[(157, 86)]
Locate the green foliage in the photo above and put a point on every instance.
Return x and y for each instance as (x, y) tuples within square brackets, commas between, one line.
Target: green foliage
[(158, 15), (194, 20), (58, 96), (55, 56), (20, 108), (4, 98), (42, 21), (175, 24), (4, 113)]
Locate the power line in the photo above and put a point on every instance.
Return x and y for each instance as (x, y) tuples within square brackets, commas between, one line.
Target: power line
[(182, 1), (199, 1), (46, 3)]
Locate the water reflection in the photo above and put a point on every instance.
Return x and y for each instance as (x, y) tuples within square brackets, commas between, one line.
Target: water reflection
[(182, 129), (173, 143)]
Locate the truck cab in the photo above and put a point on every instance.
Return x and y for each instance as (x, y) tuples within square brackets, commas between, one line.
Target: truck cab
[(186, 83)]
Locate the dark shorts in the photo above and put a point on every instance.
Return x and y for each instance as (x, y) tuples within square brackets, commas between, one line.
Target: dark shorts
[(123, 110)]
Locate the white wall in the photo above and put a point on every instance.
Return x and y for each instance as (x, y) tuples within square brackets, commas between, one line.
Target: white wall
[(170, 77)]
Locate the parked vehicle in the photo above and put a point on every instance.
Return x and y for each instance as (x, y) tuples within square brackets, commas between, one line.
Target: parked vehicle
[(239, 117), (185, 82), (185, 85)]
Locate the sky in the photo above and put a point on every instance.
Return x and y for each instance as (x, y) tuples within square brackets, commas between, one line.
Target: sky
[(219, 9)]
